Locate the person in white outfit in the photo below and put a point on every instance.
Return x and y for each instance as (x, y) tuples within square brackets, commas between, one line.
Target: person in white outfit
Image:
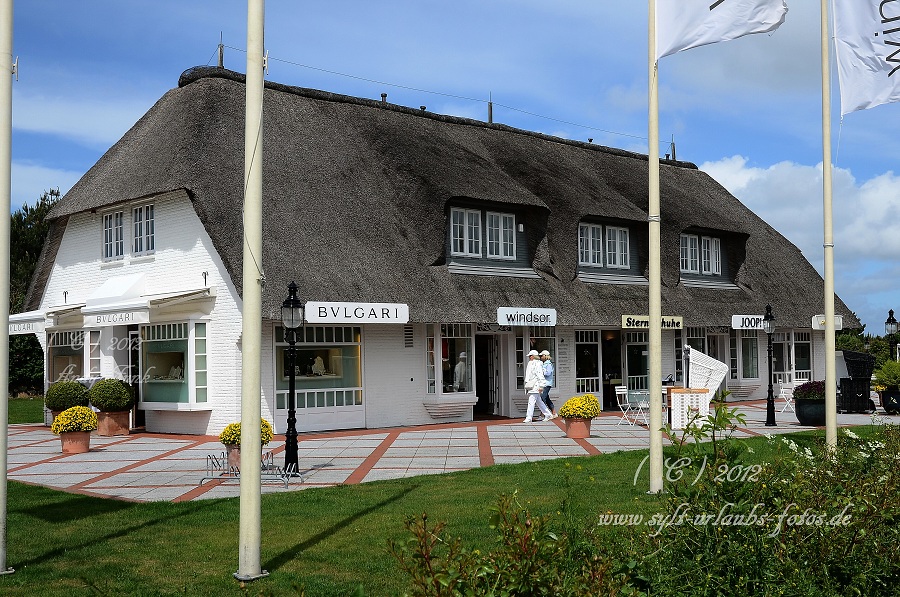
[(534, 385)]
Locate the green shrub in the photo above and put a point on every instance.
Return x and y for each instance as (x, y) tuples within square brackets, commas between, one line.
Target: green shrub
[(888, 375), (65, 394), (811, 390), (528, 560), (111, 395)]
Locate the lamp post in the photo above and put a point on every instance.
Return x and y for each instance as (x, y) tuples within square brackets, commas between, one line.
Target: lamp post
[(769, 327), (291, 318), (890, 330)]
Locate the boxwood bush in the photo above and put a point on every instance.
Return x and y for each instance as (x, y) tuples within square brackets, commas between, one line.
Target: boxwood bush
[(65, 394), (111, 395)]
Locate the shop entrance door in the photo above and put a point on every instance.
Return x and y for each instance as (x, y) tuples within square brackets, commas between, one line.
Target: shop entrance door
[(487, 374)]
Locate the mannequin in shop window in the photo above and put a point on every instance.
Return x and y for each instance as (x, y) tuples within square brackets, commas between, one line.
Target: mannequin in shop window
[(459, 373)]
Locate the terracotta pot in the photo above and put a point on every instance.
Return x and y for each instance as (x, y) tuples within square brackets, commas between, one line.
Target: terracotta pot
[(578, 428), (233, 454), (75, 442), (116, 423)]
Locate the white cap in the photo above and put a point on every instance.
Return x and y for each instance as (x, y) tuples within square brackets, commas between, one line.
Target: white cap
[(533, 353), (545, 353), (462, 355)]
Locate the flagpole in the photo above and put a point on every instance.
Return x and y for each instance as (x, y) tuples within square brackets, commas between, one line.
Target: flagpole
[(6, 71), (655, 310), (828, 244), (250, 531)]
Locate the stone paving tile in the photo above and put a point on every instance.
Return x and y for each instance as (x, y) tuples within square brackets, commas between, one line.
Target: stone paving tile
[(154, 467)]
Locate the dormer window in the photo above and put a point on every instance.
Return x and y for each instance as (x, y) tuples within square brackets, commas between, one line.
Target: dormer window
[(466, 231), (701, 255), (603, 246)]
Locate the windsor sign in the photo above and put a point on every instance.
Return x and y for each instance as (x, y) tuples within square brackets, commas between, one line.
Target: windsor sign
[(526, 316)]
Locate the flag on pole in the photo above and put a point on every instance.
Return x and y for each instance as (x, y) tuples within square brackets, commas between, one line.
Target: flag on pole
[(867, 46), (685, 24)]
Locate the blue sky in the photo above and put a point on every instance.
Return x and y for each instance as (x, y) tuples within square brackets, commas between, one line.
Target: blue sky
[(747, 111)]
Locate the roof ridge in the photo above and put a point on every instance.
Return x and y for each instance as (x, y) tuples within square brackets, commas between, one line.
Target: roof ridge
[(198, 73)]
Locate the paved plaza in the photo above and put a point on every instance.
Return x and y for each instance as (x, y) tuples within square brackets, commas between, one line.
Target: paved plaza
[(148, 467)]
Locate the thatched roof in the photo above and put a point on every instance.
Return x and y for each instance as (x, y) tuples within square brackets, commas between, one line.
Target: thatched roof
[(355, 196)]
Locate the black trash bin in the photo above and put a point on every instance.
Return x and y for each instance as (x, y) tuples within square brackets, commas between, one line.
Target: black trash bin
[(854, 396)]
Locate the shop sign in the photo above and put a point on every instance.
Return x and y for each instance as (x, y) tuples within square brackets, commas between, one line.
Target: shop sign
[(26, 327), (117, 318), (747, 322), (526, 316), (642, 322), (317, 312), (818, 322)]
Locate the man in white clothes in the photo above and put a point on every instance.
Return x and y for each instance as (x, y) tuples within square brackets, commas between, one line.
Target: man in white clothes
[(534, 385)]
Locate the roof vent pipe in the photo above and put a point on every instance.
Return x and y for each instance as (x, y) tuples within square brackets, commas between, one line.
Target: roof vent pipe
[(490, 111), (383, 98), (422, 108)]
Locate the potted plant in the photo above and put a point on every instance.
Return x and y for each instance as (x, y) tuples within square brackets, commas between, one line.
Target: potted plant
[(114, 400), (74, 426), (809, 403), (231, 437), (62, 395), (577, 412), (888, 377)]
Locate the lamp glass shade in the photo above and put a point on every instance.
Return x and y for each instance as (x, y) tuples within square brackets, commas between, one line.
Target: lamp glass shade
[(292, 309), (769, 326), (291, 316), (890, 326)]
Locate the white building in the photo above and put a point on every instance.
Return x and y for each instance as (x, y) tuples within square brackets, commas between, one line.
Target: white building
[(458, 230)]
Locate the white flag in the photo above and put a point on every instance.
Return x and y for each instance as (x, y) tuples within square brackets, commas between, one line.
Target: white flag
[(684, 24), (867, 42)]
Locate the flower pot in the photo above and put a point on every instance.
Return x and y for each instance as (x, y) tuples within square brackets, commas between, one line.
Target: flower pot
[(115, 423), (810, 412), (75, 442), (578, 428), (233, 455), (890, 401)]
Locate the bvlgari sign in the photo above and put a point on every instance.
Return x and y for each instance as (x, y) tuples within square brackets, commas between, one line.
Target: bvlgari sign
[(119, 318), (356, 312), (26, 327)]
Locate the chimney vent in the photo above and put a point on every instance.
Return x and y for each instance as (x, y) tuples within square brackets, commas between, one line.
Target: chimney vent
[(383, 98), (422, 108)]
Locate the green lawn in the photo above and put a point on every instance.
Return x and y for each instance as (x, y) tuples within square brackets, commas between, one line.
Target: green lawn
[(26, 410), (327, 540)]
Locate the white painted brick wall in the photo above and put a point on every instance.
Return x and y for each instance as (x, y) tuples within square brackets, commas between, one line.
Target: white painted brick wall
[(394, 378), (183, 252)]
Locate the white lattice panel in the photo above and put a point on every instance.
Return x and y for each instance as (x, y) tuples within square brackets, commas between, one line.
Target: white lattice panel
[(689, 405)]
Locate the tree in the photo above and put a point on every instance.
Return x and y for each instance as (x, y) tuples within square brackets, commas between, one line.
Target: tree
[(28, 231)]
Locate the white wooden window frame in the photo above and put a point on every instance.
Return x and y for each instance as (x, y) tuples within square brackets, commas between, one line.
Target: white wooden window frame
[(711, 255), (617, 247), (113, 239), (144, 229), (690, 254), (590, 244), (465, 232), (501, 235)]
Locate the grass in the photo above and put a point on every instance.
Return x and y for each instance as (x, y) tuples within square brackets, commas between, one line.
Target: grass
[(327, 540), (26, 410)]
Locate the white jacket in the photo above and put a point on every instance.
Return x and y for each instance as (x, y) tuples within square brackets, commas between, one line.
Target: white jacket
[(534, 376)]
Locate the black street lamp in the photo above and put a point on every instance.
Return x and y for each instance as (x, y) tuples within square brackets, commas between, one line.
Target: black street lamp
[(890, 330), (291, 318), (769, 327)]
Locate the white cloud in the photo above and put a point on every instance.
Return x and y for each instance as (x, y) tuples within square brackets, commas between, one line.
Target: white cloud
[(30, 180), (92, 121), (789, 197)]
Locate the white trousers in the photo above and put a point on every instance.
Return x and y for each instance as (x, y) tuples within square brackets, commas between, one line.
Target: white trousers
[(535, 398)]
